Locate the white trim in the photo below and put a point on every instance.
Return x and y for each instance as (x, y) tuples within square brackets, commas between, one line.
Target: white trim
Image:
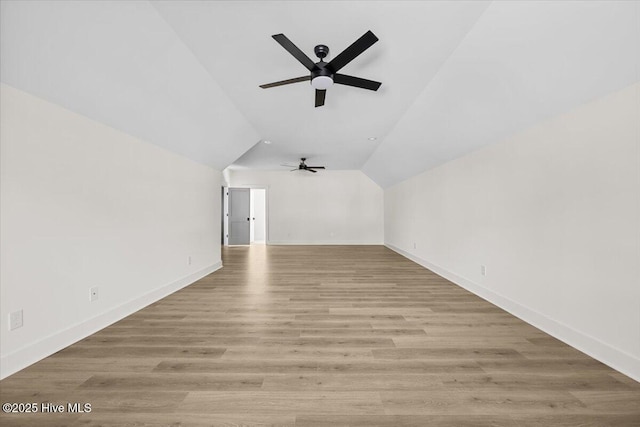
[(32, 353), (254, 186), (605, 353), (325, 243)]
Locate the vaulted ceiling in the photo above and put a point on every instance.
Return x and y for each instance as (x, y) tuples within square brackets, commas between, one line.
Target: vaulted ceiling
[(455, 75)]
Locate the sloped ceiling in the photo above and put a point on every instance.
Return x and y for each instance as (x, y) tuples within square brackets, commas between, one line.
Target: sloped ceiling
[(119, 63), (456, 75), (522, 62)]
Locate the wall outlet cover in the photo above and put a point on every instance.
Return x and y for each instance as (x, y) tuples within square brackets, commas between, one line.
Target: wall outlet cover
[(94, 294), (15, 320)]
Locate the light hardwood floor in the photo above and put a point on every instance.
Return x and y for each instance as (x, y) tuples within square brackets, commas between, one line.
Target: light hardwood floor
[(324, 336)]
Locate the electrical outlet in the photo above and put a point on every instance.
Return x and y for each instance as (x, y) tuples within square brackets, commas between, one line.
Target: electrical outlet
[(483, 270), (189, 260), (414, 245), (15, 320), (94, 294)]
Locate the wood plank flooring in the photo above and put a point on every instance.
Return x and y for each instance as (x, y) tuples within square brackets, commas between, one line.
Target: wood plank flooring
[(323, 336)]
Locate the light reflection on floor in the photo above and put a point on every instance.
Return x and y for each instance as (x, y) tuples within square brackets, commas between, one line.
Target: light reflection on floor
[(255, 278)]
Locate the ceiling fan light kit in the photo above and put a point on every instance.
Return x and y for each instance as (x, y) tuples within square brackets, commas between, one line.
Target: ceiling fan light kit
[(322, 82), (324, 74)]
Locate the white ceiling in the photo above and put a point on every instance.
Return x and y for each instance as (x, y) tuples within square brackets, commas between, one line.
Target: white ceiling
[(455, 75)]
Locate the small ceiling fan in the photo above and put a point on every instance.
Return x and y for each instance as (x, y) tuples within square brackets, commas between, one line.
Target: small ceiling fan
[(303, 166), (324, 74)]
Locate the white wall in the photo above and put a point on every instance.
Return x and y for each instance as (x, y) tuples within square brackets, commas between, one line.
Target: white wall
[(328, 207), (85, 205), (554, 214)]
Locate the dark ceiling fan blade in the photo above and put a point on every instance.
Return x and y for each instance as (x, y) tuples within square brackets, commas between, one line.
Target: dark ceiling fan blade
[(311, 170), (315, 167), (295, 51), (320, 94), (350, 53), (293, 170), (286, 82), (343, 79)]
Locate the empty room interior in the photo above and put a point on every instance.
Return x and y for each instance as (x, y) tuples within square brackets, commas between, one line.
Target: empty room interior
[(320, 213)]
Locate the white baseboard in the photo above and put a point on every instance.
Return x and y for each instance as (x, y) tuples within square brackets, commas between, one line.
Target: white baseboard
[(323, 243), (605, 353), (32, 353)]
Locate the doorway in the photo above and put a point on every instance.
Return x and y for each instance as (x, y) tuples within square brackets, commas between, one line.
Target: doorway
[(258, 209), (244, 214)]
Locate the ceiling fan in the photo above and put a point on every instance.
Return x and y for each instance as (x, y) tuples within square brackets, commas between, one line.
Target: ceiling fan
[(303, 166), (324, 74)]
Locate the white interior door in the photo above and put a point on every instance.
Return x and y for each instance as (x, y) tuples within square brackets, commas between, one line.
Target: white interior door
[(239, 216)]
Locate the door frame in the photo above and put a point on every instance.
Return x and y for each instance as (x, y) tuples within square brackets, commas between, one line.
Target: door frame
[(225, 210)]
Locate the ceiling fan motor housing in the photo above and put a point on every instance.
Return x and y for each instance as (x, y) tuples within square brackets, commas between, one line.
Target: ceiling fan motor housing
[(321, 70)]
